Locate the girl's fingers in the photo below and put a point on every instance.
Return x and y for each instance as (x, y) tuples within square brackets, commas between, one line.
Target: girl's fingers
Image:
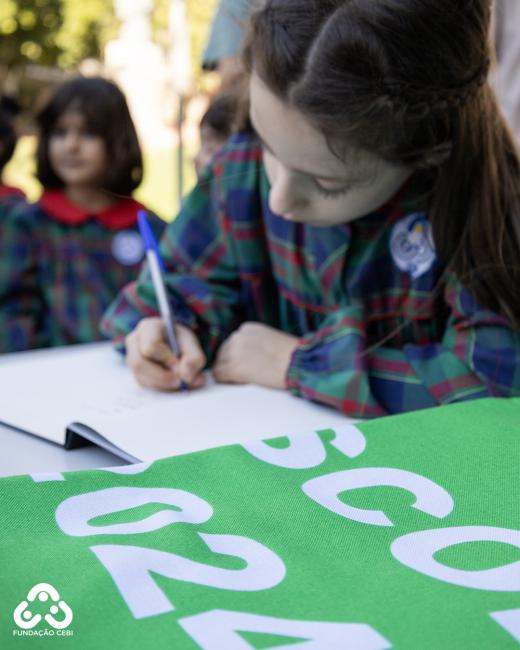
[(153, 362), (150, 374), (192, 359), (222, 372), (153, 344), (222, 368), (199, 382), (149, 356)]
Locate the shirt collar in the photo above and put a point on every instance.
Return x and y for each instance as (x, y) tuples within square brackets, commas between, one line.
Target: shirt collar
[(8, 191), (122, 214)]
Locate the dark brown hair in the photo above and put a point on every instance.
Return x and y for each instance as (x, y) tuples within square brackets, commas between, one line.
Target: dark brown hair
[(106, 114), (220, 115), (228, 111), (407, 80), (9, 108)]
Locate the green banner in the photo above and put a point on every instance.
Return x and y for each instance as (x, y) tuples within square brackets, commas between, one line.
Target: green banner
[(402, 532)]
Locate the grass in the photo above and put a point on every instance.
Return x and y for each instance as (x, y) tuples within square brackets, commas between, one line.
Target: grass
[(158, 191)]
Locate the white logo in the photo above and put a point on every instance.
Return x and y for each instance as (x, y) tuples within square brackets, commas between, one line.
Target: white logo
[(127, 247), (26, 619), (411, 245)]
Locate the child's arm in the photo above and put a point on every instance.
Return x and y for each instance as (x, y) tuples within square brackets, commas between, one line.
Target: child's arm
[(478, 356), (21, 302), (201, 276)]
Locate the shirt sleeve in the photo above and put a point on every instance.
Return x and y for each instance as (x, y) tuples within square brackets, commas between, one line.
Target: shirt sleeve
[(21, 301), (478, 356), (201, 275), (227, 31)]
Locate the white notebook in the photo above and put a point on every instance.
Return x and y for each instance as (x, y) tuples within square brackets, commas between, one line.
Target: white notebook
[(85, 392)]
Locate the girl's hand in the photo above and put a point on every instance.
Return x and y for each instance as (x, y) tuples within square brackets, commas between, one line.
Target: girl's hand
[(153, 362), (255, 354)]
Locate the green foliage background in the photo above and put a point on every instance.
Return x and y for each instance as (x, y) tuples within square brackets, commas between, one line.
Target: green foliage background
[(54, 32), (57, 35), (64, 32)]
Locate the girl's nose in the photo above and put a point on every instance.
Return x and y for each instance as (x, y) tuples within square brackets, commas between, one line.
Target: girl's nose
[(72, 139), (285, 196)]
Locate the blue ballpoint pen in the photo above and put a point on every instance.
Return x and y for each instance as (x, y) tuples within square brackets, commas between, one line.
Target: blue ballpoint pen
[(156, 267)]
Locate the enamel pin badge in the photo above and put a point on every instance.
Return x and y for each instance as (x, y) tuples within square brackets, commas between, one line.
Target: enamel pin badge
[(127, 247), (411, 245)]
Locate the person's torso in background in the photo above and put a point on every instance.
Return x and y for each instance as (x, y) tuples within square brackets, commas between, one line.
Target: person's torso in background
[(80, 269)]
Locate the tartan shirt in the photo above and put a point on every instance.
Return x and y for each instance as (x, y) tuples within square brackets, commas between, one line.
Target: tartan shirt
[(374, 338), (57, 279), (10, 197)]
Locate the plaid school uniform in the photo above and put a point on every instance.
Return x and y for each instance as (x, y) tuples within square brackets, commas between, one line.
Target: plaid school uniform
[(10, 197), (61, 267), (383, 328)]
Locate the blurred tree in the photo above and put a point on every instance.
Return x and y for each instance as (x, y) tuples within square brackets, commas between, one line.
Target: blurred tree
[(87, 26), (28, 31), (200, 15), (160, 22), (64, 32), (54, 32)]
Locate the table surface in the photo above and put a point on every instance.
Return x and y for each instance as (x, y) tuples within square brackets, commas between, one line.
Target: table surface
[(21, 453)]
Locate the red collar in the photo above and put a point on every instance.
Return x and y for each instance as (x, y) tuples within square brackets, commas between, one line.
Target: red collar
[(7, 190), (123, 214)]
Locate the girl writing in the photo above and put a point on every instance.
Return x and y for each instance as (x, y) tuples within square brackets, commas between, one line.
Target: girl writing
[(63, 260), (361, 247)]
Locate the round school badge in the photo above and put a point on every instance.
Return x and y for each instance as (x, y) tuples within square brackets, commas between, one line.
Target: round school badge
[(127, 248), (411, 245)]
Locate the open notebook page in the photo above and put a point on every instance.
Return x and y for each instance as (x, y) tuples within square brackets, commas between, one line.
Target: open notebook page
[(44, 392)]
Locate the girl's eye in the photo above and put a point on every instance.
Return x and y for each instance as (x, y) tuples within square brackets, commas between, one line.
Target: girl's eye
[(332, 194), (61, 132)]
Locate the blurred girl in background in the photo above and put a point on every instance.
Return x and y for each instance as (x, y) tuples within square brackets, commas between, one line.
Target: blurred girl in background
[(63, 259), (9, 109)]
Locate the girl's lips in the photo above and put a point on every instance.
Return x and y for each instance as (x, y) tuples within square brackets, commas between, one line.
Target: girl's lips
[(73, 163)]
